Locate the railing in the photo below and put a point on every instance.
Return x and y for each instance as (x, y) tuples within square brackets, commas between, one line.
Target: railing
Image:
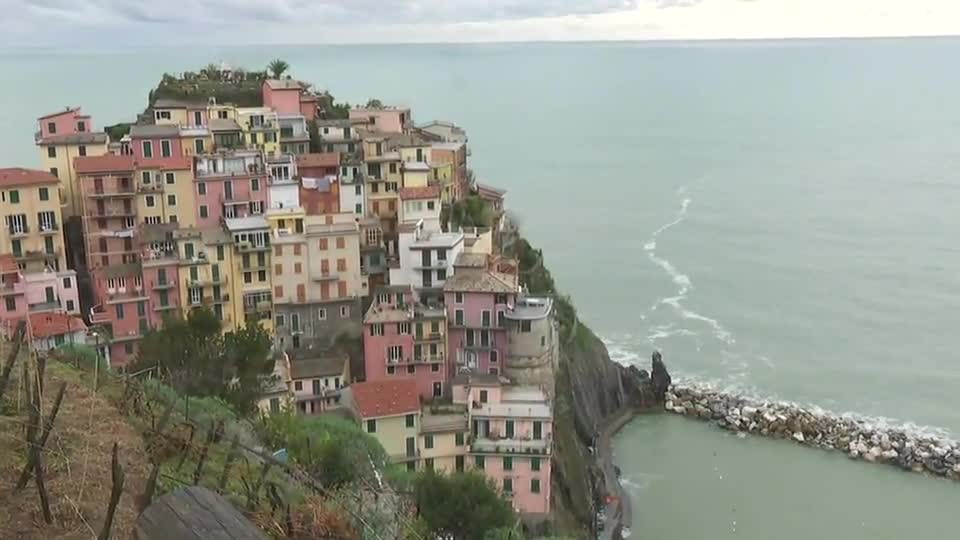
[(21, 230), (325, 276), (112, 212), (477, 344), (49, 228), (432, 336)]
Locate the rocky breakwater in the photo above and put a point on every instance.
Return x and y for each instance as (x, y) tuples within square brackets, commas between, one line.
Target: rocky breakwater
[(857, 438)]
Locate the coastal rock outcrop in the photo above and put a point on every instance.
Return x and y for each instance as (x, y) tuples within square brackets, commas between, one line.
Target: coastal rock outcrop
[(856, 438)]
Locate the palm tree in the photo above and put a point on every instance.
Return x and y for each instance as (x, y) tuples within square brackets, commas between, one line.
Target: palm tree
[(277, 67)]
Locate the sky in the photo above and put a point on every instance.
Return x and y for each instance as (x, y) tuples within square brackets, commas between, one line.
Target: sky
[(105, 23)]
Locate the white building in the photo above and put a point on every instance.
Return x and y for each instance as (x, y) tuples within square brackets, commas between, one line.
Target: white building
[(426, 258), (420, 204), (284, 190)]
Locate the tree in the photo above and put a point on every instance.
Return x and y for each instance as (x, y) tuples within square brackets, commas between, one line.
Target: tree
[(374, 104), (194, 358), (463, 505), (277, 68)]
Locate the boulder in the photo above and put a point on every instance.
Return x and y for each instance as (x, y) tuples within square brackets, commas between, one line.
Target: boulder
[(798, 436)]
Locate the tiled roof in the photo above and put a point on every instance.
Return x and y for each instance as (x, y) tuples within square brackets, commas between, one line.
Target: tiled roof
[(224, 124), (46, 325), (386, 398), (386, 314), (74, 138), (471, 260), (327, 159), (487, 282), (141, 131), (169, 103), (428, 192), (104, 163), (490, 190), (8, 264), (18, 176), (317, 365)]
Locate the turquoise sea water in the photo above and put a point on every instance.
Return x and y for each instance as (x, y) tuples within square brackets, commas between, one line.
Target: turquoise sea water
[(777, 217)]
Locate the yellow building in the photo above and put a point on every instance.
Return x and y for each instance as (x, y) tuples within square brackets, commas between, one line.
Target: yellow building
[(32, 231), (443, 438), (217, 284), (261, 130), (250, 279), (166, 194), (57, 153), (196, 140), (389, 411), (383, 176)]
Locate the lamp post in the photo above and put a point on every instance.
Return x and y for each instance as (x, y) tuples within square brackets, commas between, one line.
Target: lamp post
[(96, 363)]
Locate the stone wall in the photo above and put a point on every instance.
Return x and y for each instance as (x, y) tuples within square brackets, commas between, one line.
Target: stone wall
[(856, 438)]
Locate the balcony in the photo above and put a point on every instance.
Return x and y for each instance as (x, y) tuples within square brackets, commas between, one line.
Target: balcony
[(40, 307), (35, 255), (166, 307), (49, 228), (406, 456), (434, 265), (151, 188), (200, 257), (8, 288), (234, 199), (478, 345), (161, 286), (19, 231), (432, 336), (247, 247), (325, 276), (429, 359), (99, 315), (118, 191), (493, 443), (112, 212), (222, 299)]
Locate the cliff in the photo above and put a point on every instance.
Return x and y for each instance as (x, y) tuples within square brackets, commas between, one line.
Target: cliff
[(591, 392)]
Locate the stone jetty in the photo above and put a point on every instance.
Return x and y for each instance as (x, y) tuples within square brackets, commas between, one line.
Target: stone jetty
[(856, 438)]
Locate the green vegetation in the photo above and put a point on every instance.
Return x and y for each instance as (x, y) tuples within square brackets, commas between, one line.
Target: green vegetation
[(194, 358), (277, 68), (462, 505), (118, 131), (472, 211)]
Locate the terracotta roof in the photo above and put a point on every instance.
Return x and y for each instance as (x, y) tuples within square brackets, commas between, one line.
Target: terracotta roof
[(104, 163), (327, 159), (75, 138), (141, 131), (46, 325), (471, 260), (18, 176), (481, 281), (428, 192), (386, 398), (8, 264), (68, 110)]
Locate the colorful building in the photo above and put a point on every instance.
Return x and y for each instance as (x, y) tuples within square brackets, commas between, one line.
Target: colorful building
[(230, 185), (383, 119), (338, 136), (62, 137), (389, 411), (282, 95), (405, 339), (478, 299), (51, 330), (511, 438), (32, 233), (533, 349), (316, 378), (444, 438), (319, 183), (425, 258), (251, 279)]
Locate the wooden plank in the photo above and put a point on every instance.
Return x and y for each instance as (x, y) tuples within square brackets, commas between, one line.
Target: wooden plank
[(194, 513)]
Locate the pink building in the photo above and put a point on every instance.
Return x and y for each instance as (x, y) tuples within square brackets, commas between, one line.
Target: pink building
[(282, 95), (68, 122), (477, 299), (405, 340), (160, 267), (383, 119), (156, 146), (13, 289), (229, 186), (511, 438), (108, 194)]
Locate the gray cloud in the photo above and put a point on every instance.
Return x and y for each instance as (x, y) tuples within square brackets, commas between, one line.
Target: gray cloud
[(318, 11)]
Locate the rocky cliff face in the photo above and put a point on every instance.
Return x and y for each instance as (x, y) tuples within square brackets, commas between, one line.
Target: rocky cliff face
[(591, 390)]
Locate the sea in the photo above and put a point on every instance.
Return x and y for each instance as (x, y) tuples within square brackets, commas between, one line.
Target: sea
[(779, 218)]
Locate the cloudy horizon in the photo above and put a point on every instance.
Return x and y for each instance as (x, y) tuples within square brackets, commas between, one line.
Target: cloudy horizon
[(233, 22)]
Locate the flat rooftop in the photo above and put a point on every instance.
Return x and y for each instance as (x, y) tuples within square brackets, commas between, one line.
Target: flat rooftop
[(437, 240), (246, 223), (441, 422)]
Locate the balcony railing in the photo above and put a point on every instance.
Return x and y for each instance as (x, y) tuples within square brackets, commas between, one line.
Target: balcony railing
[(49, 228), (325, 276), (118, 191), (19, 230), (112, 212), (478, 345), (432, 336)]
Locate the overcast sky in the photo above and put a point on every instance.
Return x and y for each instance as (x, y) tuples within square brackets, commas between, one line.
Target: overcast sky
[(106, 23)]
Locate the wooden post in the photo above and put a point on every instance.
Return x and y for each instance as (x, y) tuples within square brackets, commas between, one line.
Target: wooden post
[(40, 441), (115, 492), (147, 496), (211, 437), (11, 358), (225, 473), (42, 490), (254, 492), (41, 372)]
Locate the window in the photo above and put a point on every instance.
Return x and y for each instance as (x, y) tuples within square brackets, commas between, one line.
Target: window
[(14, 197), (459, 438), (458, 317), (248, 277), (316, 387), (459, 464), (147, 149), (254, 184), (165, 149), (203, 211), (501, 319), (149, 201), (507, 463), (410, 420), (458, 298), (537, 430), (507, 483), (171, 200), (500, 299), (82, 150), (508, 429), (44, 194), (535, 464), (55, 172), (119, 311), (52, 128), (201, 188), (403, 328), (340, 242), (483, 396), (163, 115), (51, 152), (198, 146), (428, 442), (390, 370), (485, 318), (435, 368), (280, 322), (395, 353), (322, 315), (494, 356), (70, 306), (376, 329), (11, 302), (297, 268), (344, 312), (371, 426), (534, 485), (430, 205), (262, 275), (322, 243), (171, 178), (222, 114), (478, 461), (525, 326), (141, 309), (441, 274)]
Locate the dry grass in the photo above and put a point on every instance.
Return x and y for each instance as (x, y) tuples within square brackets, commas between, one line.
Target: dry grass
[(76, 463)]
